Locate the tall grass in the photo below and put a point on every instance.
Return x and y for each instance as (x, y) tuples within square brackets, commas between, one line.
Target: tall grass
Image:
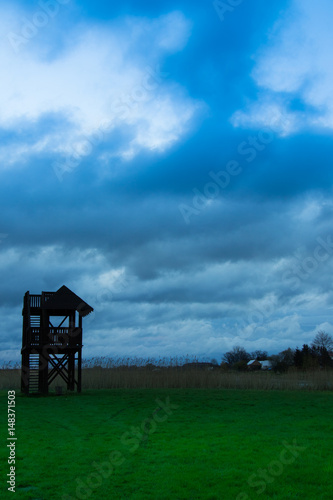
[(128, 373), (107, 378), (10, 379)]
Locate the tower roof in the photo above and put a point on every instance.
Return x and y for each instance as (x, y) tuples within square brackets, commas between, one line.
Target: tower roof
[(65, 299)]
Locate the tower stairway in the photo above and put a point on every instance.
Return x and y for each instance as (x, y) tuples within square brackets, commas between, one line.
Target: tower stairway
[(33, 373), (35, 321)]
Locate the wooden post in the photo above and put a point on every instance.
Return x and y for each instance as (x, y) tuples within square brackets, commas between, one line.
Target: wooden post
[(71, 371), (79, 372), (25, 372)]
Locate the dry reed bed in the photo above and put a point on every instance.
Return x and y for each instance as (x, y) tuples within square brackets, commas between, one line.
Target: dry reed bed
[(130, 376), (104, 378)]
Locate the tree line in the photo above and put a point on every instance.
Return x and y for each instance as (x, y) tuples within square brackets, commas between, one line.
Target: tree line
[(317, 355)]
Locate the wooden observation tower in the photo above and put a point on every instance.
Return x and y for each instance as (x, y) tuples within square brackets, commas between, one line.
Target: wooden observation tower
[(52, 340)]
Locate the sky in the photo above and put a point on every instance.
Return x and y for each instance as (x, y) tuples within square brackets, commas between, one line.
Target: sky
[(171, 163)]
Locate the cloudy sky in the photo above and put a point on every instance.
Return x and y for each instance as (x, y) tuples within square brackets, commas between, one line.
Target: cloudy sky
[(171, 163)]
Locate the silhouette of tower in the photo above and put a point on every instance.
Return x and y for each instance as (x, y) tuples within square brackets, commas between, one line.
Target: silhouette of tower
[(52, 339)]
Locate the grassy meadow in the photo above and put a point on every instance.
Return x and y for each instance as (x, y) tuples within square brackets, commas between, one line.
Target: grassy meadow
[(163, 443)]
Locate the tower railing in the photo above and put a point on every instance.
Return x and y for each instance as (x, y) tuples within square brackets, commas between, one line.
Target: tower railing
[(57, 336), (35, 300)]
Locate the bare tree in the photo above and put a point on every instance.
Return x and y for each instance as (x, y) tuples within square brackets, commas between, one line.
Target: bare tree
[(323, 339), (237, 354), (282, 361), (259, 355)]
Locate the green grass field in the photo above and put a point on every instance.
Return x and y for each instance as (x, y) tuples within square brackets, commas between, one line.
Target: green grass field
[(172, 444)]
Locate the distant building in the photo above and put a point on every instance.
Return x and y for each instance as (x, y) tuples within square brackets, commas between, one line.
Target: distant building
[(254, 364), (266, 365)]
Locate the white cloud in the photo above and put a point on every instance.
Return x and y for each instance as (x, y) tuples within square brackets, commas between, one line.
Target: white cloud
[(108, 77), (296, 64), (268, 113), (310, 210), (323, 327)]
